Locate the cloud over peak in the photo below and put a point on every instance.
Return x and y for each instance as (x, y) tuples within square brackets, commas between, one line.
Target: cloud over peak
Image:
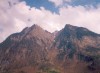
[(19, 15)]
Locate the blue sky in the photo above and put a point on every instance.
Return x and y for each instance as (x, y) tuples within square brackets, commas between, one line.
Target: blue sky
[(85, 2), (50, 6), (42, 3)]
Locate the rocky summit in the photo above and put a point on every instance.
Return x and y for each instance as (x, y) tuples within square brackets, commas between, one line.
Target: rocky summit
[(35, 50)]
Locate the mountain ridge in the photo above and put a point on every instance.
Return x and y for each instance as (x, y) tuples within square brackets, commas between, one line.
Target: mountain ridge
[(70, 50)]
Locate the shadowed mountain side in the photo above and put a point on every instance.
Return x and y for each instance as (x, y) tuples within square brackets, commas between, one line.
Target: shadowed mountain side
[(76, 50)]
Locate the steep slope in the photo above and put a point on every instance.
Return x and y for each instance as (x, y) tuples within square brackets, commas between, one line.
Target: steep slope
[(34, 50), (77, 50), (25, 49)]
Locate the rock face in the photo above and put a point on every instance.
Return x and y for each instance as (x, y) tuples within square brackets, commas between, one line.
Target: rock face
[(78, 50), (34, 50), (25, 49)]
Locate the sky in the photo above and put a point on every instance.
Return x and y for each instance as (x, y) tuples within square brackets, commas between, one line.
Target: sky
[(51, 15)]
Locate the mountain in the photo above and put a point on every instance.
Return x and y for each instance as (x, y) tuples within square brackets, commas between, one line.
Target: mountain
[(25, 49), (77, 50), (34, 50)]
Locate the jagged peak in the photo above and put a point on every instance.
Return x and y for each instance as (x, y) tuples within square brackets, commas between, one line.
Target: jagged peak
[(35, 31), (77, 31), (76, 28), (69, 26), (35, 26)]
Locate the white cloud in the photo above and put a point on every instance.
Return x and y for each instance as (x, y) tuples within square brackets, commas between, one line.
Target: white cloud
[(81, 16), (14, 19), (59, 2)]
